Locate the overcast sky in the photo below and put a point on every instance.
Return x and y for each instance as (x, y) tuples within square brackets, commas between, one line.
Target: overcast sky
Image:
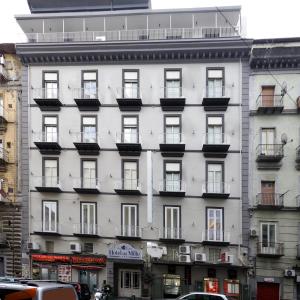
[(264, 18)]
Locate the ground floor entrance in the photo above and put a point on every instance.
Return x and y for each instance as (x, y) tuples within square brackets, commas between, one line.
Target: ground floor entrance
[(267, 290), (129, 283), (90, 278)]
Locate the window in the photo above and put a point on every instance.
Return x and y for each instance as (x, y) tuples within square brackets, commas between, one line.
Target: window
[(214, 255), (268, 237), (214, 224), (130, 279), (50, 129), (268, 192), (130, 130), (50, 172), (268, 141), (50, 216), (129, 220), (173, 82), (215, 83), (215, 178), (1, 106), (131, 84), (267, 96), (172, 222), (50, 84), (172, 176), (88, 218), (89, 84), (88, 248), (89, 129), (89, 174), (172, 129), (215, 130), (130, 180), (49, 246)]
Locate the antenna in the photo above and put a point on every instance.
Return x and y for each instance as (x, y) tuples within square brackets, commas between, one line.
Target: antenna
[(284, 138), (283, 88)]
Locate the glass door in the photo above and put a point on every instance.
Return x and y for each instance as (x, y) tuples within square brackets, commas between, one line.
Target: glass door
[(215, 224), (51, 173), (49, 216), (130, 175), (268, 238), (88, 218), (172, 223), (268, 141), (129, 220), (89, 174), (215, 180)]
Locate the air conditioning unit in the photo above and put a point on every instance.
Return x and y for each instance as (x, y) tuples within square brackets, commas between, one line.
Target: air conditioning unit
[(289, 273), (2, 60), (164, 250), (184, 258), (75, 247), (33, 246), (253, 232), (200, 257), (184, 249)]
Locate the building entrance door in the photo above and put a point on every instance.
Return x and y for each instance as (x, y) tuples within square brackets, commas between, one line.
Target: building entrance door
[(266, 290), (129, 283)]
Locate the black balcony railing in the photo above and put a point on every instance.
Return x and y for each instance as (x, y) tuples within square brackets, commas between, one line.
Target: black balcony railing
[(271, 200), (270, 249), (270, 104), (269, 152)]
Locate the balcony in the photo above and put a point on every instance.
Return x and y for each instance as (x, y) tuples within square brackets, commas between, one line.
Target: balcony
[(269, 104), (84, 185), (270, 249), (171, 235), (47, 142), (172, 99), (129, 98), (3, 119), (172, 188), (86, 230), (47, 99), (269, 201), (47, 184), (4, 159), (128, 187), (269, 153), (4, 77), (3, 240), (298, 158), (86, 99), (215, 145), (86, 143), (173, 144), (46, 229), (216, 98), (215, 190), (134, 35), (215, 237), (130, 233), (128, 144)]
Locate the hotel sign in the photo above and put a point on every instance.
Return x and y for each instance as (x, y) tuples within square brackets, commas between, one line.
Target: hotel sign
[(124, 251)]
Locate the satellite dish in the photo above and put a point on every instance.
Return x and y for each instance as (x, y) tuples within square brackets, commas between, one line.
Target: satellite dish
[(283, 88), (284, 138)]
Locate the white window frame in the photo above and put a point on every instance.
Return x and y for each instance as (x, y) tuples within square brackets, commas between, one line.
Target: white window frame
[(130, 230), (88, 227), (172, 232), (50, 227), (214, 234)]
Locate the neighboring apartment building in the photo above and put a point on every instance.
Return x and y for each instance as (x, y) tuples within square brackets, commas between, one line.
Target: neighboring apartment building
[(274, 168), (10, 210), (132, 141)]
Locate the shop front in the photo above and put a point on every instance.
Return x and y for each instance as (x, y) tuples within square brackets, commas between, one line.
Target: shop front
[(69, 268), (125, 270)]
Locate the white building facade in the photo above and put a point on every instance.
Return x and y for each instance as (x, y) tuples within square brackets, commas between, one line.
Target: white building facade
[(135, 144)]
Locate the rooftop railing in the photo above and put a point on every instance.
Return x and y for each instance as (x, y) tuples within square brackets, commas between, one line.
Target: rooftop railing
[(134, 35)]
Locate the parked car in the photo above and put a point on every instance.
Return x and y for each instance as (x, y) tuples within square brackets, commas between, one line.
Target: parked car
[(82, 290), (203, 296), (36, 290)]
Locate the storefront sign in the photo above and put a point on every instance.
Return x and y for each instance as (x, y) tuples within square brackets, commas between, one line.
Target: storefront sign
[(70, 259), (269, 279), (124, 251)]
